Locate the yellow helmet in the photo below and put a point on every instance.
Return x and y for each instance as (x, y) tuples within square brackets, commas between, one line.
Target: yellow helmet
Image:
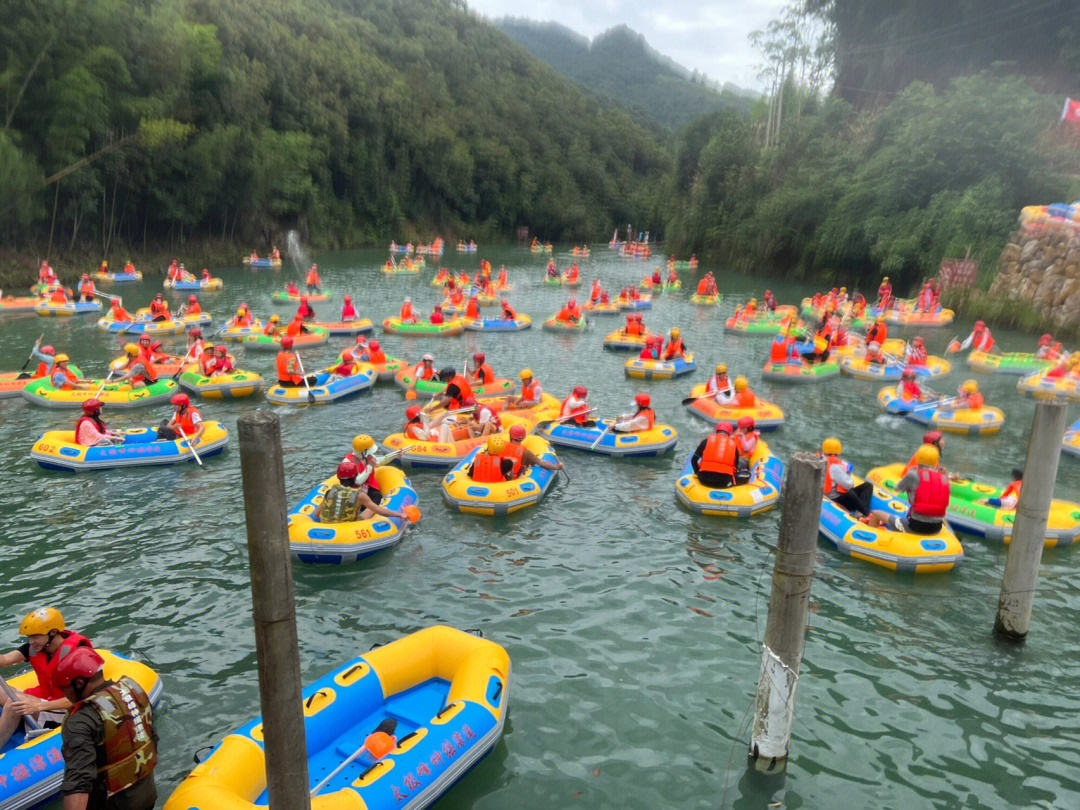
[(495, 445), (42, 622), (884, 278), (741, 383), (239, 313), (753, 301), (831, 446), (969, 387), (927, 455), (362, 442), (879, 319), (526, 374), (675, 331), (721, 368), (61, 358), (275, 319), (105, 264), (130, 348), (843, 289)]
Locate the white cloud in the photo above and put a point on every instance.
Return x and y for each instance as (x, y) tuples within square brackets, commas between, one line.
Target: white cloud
[(710, 37)]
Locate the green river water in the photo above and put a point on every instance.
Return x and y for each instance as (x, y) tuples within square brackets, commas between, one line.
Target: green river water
[(633, 626)]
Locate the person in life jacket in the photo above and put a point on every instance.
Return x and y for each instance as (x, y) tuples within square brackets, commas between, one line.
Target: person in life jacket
[(770, 301), (652, 347), (159, 309), (193, 306), (1010, 496), (296, 326), (347, 367), (185, 423), (437, 316), (347, 502), (305, 311), (633, 327), (373, 353), (884, 293), (90, 430), (1043, 348), (420, 427), (877, 332), (46, 357), (605, 298), (839, 485), (63, 378), (657, 279), (58, 296), (485, 419), (287, 364), (552, 271), (910, 390), (874, 353), (502, 282), (472, 308), (480, 373), (746, 436), (594, 293), (744, 396), (86, 288), (968, 396), (273, 326), (456, 392), (715, 459), (492, 466), (312, 280), (292, 289), (47, 644), (642, 419), (118, 313), (783, 348), (110, 745), (675, 346), (703, 286), (222, 363), (156, 353), (575, 408), (139, 371), (424, 370), (928, 490), (514, 449), (915, 353), (348, 311), (673, 275), (508, 312), (980, 339), (363, 456), (530, 396), (720, 386)]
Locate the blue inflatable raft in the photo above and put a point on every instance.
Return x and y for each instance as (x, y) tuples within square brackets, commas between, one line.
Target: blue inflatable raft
[(327, 388)]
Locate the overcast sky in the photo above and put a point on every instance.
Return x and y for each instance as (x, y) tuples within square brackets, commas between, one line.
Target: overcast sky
[(706, 35)]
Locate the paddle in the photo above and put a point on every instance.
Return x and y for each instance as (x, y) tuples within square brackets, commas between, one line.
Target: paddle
[(549, 422), (103, 384), (688, 400), (106, 295), (303, 374), (599, 438), (31, 357), (191, 447), (36, 729), (183, 362), (386, 727)]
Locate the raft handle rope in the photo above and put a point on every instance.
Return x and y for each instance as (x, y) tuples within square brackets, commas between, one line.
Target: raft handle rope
[(198, 751)]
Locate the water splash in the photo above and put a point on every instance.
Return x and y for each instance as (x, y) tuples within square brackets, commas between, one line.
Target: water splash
[(299, 256)]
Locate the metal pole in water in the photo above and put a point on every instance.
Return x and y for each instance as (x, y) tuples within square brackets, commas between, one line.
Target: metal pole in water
[(274, 611), (785, 631), (1032, 513)]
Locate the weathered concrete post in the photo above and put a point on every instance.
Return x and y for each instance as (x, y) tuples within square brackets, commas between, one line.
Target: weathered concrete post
[(1032, 513), (785, 631), (274, 611)]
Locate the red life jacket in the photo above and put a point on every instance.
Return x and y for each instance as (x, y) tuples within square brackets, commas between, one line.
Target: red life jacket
[(830, 462), (779, 351), (509, 313), (719, 455), (158, 308), (348, 311), (931, 497), (44, 666), (184, 421), (78, 425), (911, 391), (472, 310), (487, 469)]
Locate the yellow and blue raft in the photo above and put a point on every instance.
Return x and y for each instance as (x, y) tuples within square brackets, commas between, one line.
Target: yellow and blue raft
[(501, 498), (760, 493)]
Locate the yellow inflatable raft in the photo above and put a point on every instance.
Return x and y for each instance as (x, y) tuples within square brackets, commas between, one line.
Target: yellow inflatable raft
[(766, 415), (742, 500), (436, 455), (466, 495), (1041, 386)]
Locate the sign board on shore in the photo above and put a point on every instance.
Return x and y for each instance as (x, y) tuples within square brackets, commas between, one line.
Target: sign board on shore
[(958, 272)]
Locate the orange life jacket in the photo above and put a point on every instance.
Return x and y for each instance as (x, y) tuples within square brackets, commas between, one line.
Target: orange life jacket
[(472, 309), (193, 309), (778, 352), (58, 297), (463, 387), (516, 451), (530, 391), (719, 455), (69, 376), (119, 313), (151, 374), (487, 469), (294, 328), (284, 375), (509, 313), (745, 398), (649, 414), (1012, 489), (185, 421), (416, 430), (312, 278), (830, 462), (876, 333), (579, 413), (703, 287), (159, 308), (423, 373), (377, 356), (674, 349), (484, 375), (406, 312), (42, 370)]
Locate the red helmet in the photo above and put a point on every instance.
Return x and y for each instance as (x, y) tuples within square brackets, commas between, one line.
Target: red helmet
[(83, 662), (517, 432), (158, 295), (909, 374), (572, 302), (412, 411), (629, 317), (303, 299), (192, 299), (479, 357), (438, 307), (221, 348), (917, 341), (469, 401), (346, 355), (347, 469), (155, 345), (642, 400), (746, 423), (196, 332), (91, 406), (348, 299), (932, 437), (47, 350), (725, 427), (287, 342), (374, 345), (980, 324), (143, 337), (1045, 339), (580, 391), (183, 400)]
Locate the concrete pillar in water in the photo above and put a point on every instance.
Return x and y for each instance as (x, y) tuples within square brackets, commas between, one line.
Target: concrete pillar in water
[(785, 631), (274, 611), (1032, 513)]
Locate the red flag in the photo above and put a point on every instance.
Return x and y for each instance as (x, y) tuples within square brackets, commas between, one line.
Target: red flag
[(1071, 111)]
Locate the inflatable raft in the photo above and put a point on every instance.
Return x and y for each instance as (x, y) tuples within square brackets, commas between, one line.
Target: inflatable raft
[(635, 304), (640, 369), (553, 281), (284, 298), (553, 324), (12, 383), (761, 324), (232, 385), (394, 326), (327, 388), (347, 328), (404, 378), (261, 262), (766, 415), (1040, 386), (655, 442), (859, 368), (153, 328), (706, 300), (116, 278), (195, 285), (48, 309), (436, 455), (313, 541), (969, 513), (385, 371), (1022, 363), (518, 324), (444, 690), (466, 495), (602, 309), (978, 422), (268, 343), (908, 317), (742, 500), (898, 551), (115, 395), (57, 450), (35, 768), (18, 304), (240, 333), (187, 321), (800, 372), (620, 341)]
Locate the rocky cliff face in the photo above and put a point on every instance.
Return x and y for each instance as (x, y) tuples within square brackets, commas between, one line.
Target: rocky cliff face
[(1041, 265)]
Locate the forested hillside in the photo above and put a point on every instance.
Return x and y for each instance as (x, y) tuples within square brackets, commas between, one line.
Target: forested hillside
[(620, 64), (349, 119)]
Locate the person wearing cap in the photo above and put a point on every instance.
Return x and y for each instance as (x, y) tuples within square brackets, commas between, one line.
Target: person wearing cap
[(186, 422), (242, 319), (839, 485), (530, 396), (480, 373), (569, 313), (884, 293), (139, 371), (348, 311), (746, 437), (936, 438), (86, 288), (980, 339), (472, 307), (633, 327), (346, 501), (312, 280), (524, 456), (305, 312), (407, 315), (643, 418), (156, 354), (719, 385), (424, 370), (193, 307), (46, 357), (575, 408), (296, 326), (63, 378), (877, 332), (968, 396), (421, 427), (909, 389), (48, 642), (493, 465), (508, 312), (716, 457), (110, 744), (744, 396), (159, 309), (363, 456)]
